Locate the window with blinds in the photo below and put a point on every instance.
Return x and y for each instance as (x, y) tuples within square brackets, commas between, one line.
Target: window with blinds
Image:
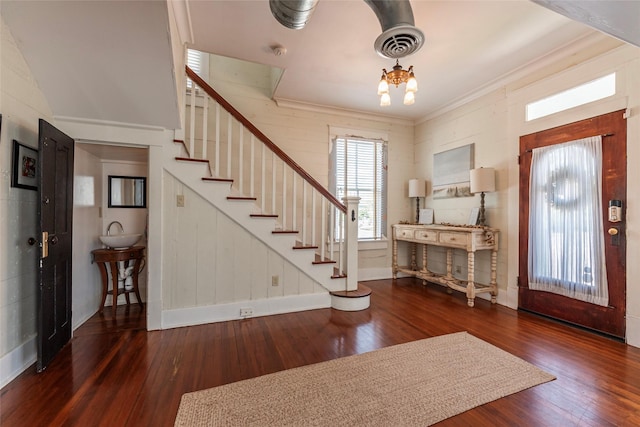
[(197, 61), (359, 168)]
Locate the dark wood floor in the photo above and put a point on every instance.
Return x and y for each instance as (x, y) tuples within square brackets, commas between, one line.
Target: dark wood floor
[(114, 373)]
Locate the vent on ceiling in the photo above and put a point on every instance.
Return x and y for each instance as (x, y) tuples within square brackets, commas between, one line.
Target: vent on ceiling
[(398, 42)]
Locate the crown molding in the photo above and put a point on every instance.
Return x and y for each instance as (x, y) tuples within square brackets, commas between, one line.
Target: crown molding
[(568, 49), (316, 108)]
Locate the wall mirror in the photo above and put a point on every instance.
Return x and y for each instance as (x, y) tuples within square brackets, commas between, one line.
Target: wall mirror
[(127, 191)]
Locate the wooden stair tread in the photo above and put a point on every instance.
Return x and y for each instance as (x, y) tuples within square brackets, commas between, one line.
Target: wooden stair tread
[(361, 292), (240, 198), (255, 215), (301, 246), (208, 178), (319, 260), (284, 232), (189, 159)]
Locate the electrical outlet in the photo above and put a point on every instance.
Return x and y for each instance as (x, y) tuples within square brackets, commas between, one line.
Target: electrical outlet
[(275, 280), (180, 200), (246, 312), (458, 269)]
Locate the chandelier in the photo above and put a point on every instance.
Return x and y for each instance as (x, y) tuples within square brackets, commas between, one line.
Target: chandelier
[(396, 77)]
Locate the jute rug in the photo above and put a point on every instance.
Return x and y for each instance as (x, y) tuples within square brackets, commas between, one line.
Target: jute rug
[(413, 384)]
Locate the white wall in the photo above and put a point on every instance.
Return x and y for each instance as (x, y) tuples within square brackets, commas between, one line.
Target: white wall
[(87, 203), (494, 123), (21, 105), (211, 262)]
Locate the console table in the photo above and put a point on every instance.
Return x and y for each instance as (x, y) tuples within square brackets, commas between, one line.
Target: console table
[(471, 239), (131, 256)]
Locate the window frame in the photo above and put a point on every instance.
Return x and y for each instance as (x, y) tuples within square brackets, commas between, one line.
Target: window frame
[(380, 240)]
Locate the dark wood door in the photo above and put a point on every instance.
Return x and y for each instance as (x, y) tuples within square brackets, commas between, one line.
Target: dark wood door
[(55, 214), (611, 319)]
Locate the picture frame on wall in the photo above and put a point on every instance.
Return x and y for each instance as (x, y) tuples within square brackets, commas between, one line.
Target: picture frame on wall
[(451, 172), (25, 161)]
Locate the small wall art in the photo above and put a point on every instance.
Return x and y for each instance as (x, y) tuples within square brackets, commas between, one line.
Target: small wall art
[(426, 216), (451, 172), (25, 160)]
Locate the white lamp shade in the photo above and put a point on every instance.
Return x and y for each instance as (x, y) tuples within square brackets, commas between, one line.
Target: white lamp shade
[(416, 188), (483, 180)]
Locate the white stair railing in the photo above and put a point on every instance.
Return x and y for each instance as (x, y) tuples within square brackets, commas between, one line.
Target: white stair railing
[(279, 185)]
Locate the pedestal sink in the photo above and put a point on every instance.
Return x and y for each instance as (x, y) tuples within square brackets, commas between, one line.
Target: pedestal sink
[(120, 241)]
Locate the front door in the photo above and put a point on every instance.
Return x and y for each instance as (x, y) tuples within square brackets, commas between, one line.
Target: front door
[(609, 319), (55, 212)]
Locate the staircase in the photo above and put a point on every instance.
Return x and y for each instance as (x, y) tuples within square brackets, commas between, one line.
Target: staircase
[(226, 160)]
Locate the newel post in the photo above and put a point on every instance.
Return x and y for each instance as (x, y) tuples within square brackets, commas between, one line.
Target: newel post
[(351, 241)]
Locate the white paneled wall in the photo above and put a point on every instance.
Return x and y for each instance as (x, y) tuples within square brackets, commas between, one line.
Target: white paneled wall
[(21, 105), (494, 123), (209, 260)]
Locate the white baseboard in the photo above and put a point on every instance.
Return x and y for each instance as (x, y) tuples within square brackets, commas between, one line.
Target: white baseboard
[(17, 361), (365, 274), (231, 311), (633, 330)]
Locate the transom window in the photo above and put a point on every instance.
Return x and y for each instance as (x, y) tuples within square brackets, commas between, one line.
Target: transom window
[(574, 97)]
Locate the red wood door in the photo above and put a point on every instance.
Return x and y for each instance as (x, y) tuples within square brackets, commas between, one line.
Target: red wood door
[(611, 319)]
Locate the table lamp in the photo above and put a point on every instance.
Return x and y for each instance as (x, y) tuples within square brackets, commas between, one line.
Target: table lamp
[(417, 190), (483, 180)]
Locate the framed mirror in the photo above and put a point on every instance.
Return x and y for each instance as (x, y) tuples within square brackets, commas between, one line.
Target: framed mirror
[(127, 191)]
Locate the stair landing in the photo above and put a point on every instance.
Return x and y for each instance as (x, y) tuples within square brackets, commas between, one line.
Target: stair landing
[(355, 300)]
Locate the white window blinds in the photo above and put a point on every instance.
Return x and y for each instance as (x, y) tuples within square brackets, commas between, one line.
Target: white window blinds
[(359, 168)]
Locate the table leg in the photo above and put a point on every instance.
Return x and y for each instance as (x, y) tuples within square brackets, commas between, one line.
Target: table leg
[(471, 286), (394, 258), (114, 284), (493, 283), (136, 271), (105, 284)]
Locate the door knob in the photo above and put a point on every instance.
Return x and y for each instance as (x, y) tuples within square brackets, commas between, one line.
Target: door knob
[(613, 231)]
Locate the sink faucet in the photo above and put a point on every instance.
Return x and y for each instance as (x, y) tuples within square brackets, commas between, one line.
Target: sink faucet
[(109, 227)]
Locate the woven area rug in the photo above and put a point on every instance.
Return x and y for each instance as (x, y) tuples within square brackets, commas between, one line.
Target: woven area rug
[(418, 383)]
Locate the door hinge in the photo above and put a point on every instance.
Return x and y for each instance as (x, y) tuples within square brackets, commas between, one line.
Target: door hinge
[(518, 159)]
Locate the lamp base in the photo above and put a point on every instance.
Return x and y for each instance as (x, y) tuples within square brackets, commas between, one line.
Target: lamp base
[(417, 209), (481, 218)]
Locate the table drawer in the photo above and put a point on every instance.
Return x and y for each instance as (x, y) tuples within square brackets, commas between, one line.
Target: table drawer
[(454, 239), (404, 233), (426, 236)]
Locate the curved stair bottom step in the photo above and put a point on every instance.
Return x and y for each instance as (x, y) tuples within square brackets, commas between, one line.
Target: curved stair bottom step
[(351, 300)]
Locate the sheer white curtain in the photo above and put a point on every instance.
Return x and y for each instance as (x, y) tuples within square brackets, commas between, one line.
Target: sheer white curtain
[(566, 238)]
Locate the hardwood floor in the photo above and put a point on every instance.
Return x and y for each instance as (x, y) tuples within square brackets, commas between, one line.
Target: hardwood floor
[(114, 373)]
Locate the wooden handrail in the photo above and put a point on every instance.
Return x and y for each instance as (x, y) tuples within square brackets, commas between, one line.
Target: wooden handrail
[(264, 139)]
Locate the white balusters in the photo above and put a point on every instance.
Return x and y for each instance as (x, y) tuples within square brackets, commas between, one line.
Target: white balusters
[(241, 159), (205, 124), (229, 143), (294, 195), (217, 171), (192, 123)]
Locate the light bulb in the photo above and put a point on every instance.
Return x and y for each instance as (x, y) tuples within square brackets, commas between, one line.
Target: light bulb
[(412, 84), (383, 86), (409, 98), (385, 100)]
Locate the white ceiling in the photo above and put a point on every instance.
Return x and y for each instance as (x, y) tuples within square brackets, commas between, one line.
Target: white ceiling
[(111, 60)]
